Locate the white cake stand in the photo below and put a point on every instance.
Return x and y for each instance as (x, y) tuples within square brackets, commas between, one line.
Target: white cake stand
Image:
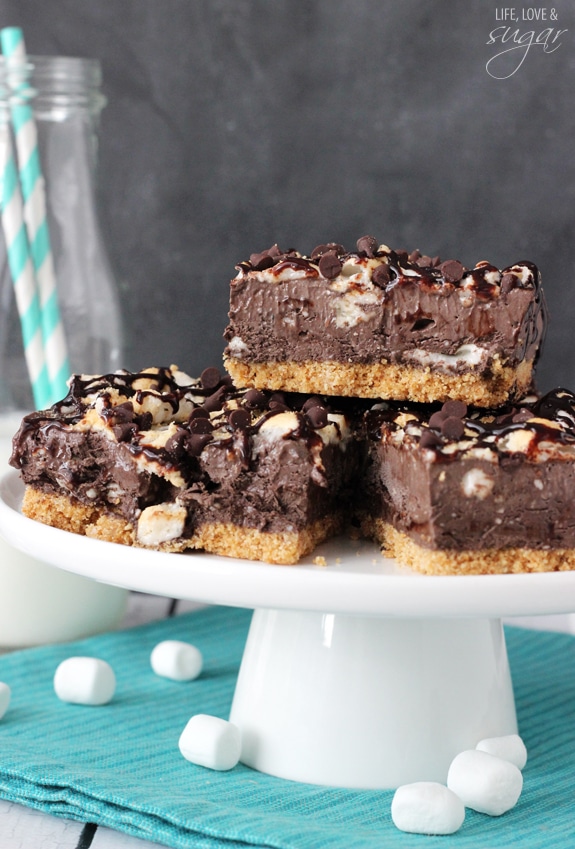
[(356, 673)]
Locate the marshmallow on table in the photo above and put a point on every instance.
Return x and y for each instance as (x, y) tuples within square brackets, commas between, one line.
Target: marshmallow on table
[(426, 807), (211, 742), (511, 748), (176, 660), (85, 681), (484, 782), (5, 693)]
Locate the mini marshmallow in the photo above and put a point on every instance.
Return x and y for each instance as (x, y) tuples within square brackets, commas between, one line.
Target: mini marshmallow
[(427, 807), (5, 693), (176, 660), (484, 782), (85, 681), (511, 748), (210, 741)]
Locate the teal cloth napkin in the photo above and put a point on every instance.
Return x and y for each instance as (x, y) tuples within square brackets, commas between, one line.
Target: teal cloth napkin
[(119, 765)]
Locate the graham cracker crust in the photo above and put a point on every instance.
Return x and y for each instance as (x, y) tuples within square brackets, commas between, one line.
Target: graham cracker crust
[(385, 380), (285, 548), (488, 561)]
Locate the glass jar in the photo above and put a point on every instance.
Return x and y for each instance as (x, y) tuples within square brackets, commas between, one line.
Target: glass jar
[(66, 100), (40, 603)]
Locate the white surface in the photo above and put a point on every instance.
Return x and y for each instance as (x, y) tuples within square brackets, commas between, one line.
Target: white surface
[(40, 604), (369, 702), (357, 578)]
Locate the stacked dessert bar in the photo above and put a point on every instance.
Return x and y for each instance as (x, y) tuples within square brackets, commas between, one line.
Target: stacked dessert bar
[(372, 391)]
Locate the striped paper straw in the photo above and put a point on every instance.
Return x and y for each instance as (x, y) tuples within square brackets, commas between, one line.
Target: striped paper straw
[(34, 196), (22, 270)]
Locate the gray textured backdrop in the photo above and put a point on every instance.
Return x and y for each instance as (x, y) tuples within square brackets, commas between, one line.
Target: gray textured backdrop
[(233, 124)]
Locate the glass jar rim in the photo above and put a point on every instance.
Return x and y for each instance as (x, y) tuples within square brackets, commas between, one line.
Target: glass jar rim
[(55, 74)]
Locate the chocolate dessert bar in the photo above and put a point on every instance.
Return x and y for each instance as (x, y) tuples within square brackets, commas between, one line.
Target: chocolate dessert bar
[(452, 490), (159, 460), (379, 323)]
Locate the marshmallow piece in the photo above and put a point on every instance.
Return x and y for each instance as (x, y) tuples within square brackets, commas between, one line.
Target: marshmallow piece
[(484, 782), (210, 741), (427, 807), (176, 660), (5, 693), (511, 748), (85, 681)]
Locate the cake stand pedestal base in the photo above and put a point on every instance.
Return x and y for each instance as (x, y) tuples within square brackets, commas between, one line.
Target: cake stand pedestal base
[(354, 701)]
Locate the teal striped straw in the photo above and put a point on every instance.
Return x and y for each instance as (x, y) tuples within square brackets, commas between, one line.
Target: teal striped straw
[(35, 217), (21, 270)]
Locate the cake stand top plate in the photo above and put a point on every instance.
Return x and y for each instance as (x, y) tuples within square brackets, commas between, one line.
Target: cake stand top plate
[(356, 579)]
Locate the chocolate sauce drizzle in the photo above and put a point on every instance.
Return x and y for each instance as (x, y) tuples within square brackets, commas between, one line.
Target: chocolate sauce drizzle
[(400, 268), (550, 419), (228, 416)]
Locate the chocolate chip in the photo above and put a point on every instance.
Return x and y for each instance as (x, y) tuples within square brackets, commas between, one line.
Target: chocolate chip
[(239, 419), (317, 416), (196, 442), (429, 439), (210, 377), (278, 406), (176, 444), (424, 261), (277, 398), (198, 413), (367, 245), (330, 265), (144, 421), (201, 425), (452, 427), (402, 257), (437, 419), (254, 399), (323, 249), (452, 270), (313, 401), (414, 256), (124, 412), (124, 431), (260, 262), (381, 276), (215, 400), (454, 408), (508, 282)]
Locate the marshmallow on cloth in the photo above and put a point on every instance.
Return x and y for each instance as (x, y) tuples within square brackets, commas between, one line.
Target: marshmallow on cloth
[(484, 782), (211, 742), (511, 748), (426, 807), (85, 681), (5, 693), (176, 660)]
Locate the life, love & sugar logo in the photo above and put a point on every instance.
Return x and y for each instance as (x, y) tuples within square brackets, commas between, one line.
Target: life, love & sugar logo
[(517, 36)]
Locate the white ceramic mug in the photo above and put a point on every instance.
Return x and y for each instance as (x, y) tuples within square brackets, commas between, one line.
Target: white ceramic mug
[(41, 604)]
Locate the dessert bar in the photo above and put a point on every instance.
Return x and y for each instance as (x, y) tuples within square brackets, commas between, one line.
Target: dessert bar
[(380, 323), (159, 460), (452, 490)]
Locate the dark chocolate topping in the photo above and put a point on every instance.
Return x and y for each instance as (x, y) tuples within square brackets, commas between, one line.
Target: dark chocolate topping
[(547, 424)]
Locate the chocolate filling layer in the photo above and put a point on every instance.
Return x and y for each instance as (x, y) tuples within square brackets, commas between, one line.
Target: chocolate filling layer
[(378, 305)]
